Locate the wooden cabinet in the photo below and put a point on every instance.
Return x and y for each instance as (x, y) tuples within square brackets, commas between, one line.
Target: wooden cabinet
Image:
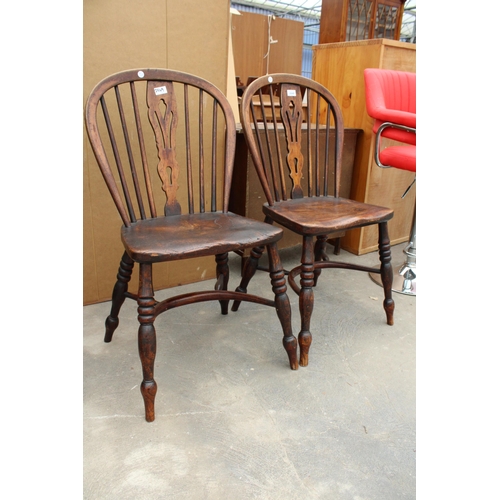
[(247, 196), (339, 67), (349, 20)]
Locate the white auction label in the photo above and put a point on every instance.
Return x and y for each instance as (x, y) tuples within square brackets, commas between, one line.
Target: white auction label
[(160, 90)]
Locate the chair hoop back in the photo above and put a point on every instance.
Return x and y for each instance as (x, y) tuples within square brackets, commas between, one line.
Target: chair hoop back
[(295, 134), (190, 139)]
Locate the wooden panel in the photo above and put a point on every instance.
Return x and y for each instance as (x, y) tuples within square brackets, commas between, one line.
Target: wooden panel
[(286, 55), (250, 45), (249, 34), (197, 37), (332, 21), (117, 36), (340, 66), (180, 34), (399, 58)]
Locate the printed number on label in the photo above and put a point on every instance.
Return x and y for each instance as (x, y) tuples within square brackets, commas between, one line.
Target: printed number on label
[(160, 90), (291, 93)]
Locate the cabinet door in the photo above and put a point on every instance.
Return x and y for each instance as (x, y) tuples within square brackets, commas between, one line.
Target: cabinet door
[(355, 20), (367, 19), (359, 20), (387, 19)]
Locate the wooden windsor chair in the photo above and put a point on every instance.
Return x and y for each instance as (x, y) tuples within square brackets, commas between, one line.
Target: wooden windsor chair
[(191, 141), (297, 152)]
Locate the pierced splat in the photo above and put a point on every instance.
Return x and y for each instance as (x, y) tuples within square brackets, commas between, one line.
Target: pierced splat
[(291, 115), (163, 117)]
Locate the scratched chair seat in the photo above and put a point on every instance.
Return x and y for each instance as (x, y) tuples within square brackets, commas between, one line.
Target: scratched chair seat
[(185, 236), (330, 214)]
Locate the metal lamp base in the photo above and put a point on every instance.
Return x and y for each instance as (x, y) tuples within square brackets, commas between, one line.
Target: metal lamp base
[(404, 279), (405, 276)]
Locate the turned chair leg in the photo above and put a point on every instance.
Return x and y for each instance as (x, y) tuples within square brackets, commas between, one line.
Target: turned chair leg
[(282, 302), (118, 297), (248, 271), (306, 298), (386, 273), (222, 278), (147, 339)]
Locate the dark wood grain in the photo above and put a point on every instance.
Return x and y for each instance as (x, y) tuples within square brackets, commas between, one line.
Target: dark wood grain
[(167, 139), (301, 182)]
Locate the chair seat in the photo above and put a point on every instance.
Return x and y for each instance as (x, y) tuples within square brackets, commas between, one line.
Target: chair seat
[(325, 214), (197, 235)]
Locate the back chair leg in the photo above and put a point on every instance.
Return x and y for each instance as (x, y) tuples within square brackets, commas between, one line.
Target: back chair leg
[(248, 271), (222, 278), (118, 297), (283, 308), (319, 255), (306, 298), (147, 339), (384, 245)]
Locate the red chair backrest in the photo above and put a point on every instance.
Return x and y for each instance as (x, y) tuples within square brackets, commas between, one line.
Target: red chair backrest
[(391, 97)]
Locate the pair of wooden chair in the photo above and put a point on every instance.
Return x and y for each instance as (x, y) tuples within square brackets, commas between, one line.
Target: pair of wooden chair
[(165, 143)]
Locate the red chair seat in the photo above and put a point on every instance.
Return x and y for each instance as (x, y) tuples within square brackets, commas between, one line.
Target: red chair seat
[(402, 157)]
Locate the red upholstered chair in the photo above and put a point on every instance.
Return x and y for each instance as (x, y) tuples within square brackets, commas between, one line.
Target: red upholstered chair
[(391, 101)]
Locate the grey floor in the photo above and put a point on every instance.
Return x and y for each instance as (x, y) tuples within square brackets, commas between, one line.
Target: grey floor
[(234, 422)]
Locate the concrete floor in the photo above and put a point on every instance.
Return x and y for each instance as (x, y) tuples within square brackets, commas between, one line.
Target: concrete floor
[(234, 422)]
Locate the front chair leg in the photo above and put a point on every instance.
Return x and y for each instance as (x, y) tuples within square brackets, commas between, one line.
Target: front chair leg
[(147, 339), (384, 245), (222, 278), (282, 302), (248, 271), (306, 298), (119, 291)]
